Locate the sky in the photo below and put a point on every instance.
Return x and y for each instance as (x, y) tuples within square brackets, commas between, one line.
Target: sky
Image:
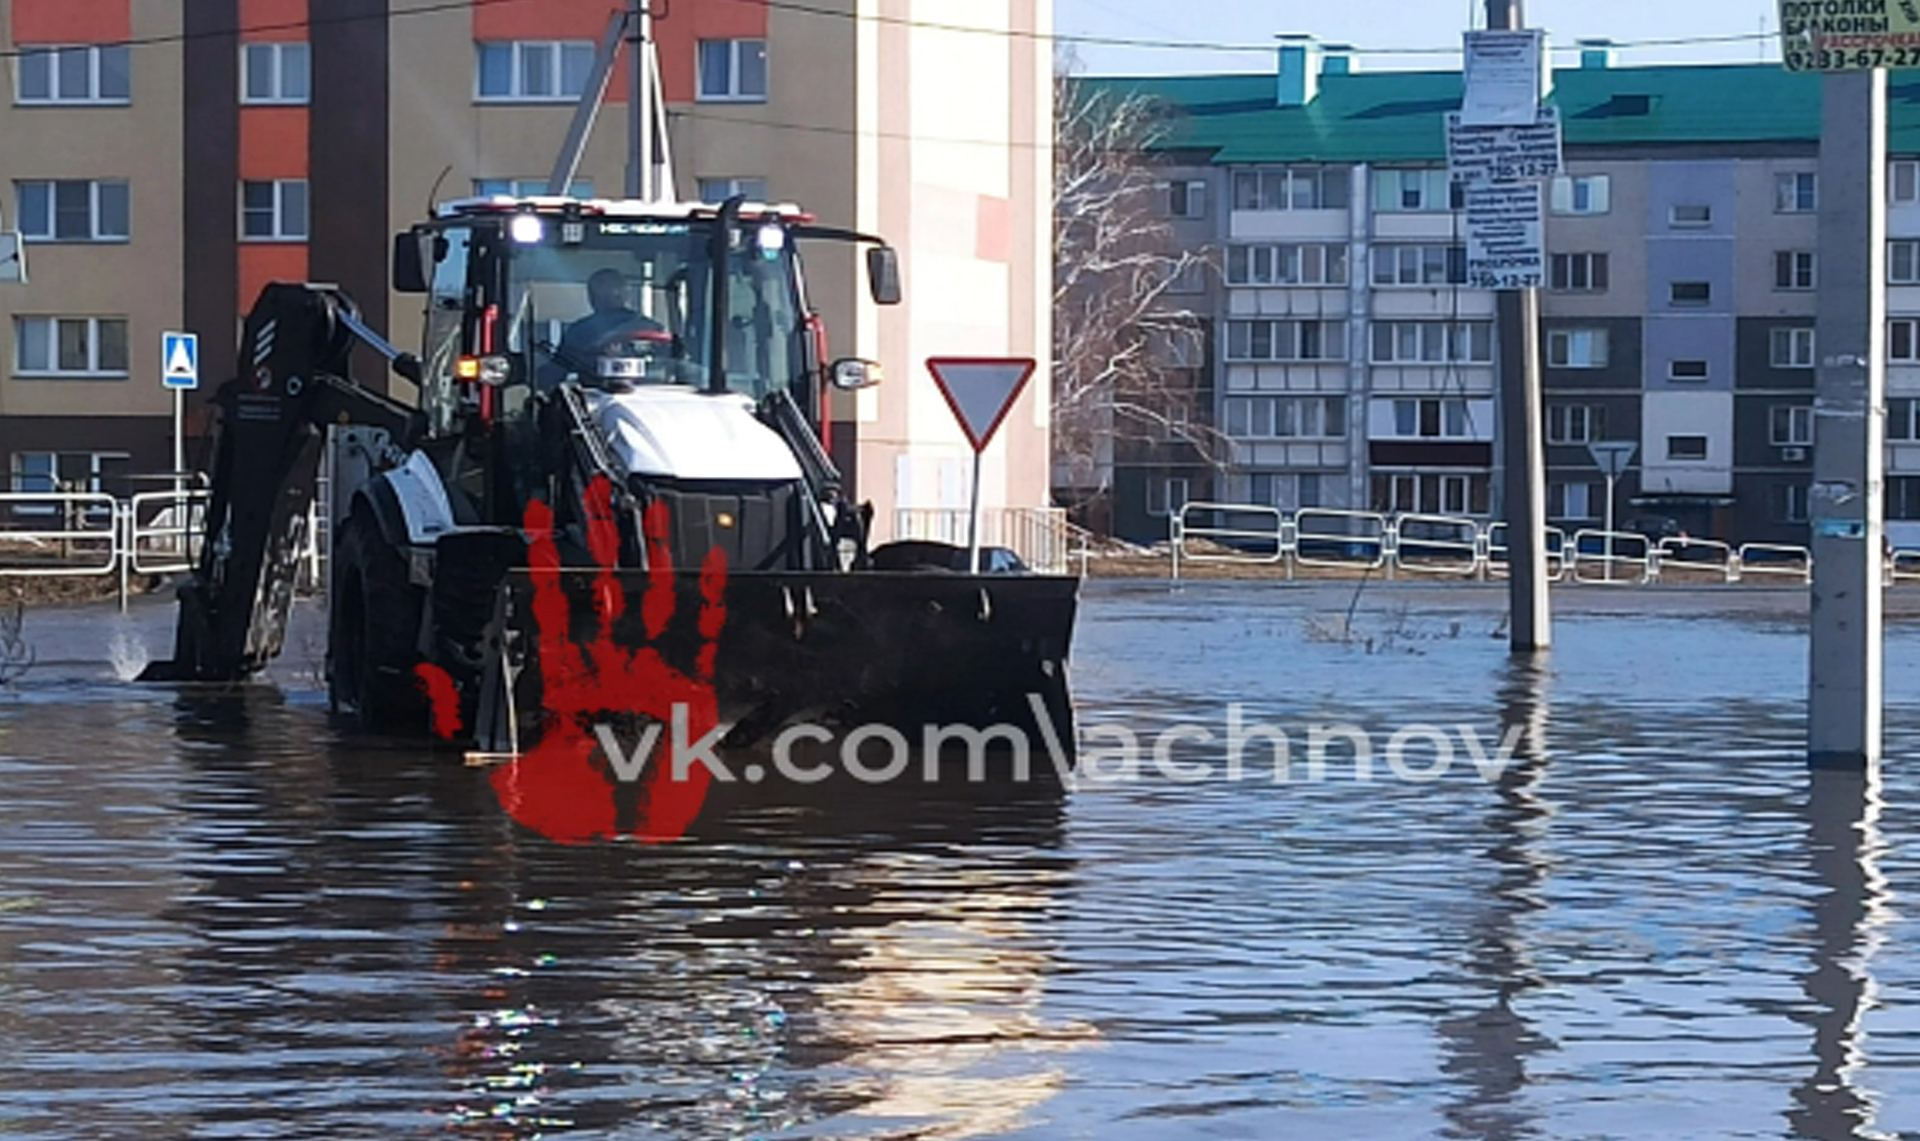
[(1373, 25)]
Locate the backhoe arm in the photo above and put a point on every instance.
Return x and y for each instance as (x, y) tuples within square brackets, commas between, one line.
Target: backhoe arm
[(294, 379)]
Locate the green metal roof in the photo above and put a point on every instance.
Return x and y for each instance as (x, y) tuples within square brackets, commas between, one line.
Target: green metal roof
[(1397, 116)]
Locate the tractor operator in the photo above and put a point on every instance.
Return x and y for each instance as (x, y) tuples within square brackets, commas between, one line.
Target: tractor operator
[(607, 293)]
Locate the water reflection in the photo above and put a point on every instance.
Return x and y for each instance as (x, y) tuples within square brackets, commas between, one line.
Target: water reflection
[(1849, 915), (376, 945), (1487, 1051)]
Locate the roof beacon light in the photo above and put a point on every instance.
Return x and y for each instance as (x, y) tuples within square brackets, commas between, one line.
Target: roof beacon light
[(527, 229)]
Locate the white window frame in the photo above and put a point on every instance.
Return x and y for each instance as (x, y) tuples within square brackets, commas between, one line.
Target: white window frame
[(1332, 336), (1796, 192), (1683, 216), (517, 50), (1676, 301), (1431, 343), (1575, 423), (1907, 250), (1794, 270), (1560, 499), (1899, 171), (1184, 198), (1406, 266), (1799, 426), (282, 231), (1172, 498), (1312, 265), (1286, 417), (95, 190), (1415, 190), (1282, 188), (733, 93), (1452, 418), (1798, 342), (275, 53), (1188, 277), (1567, 192), (1563, 343), (1903, 419), (28, 54), (1794, 503), (53, 369), (1674, 374), (1903, 340), (1582, 271)]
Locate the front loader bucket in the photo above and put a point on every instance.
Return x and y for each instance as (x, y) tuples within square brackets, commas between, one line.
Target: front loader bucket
[(833, 652)]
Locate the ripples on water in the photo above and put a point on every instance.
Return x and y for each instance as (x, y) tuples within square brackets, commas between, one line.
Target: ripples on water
[(221, 921)]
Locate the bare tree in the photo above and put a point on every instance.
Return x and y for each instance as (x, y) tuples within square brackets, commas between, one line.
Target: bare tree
[(1117, 327)]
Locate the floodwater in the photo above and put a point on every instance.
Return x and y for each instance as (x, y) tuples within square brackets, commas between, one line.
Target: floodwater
[(221, 920)]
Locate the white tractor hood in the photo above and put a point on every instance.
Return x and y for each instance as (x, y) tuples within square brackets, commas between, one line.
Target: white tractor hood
[(675, 432)]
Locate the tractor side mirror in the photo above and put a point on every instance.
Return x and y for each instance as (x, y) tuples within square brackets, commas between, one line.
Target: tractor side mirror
[(852, 374), (883, 275), (409, 272)]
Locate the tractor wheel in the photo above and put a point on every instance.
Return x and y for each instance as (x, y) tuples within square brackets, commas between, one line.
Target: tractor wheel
[(373, 634)]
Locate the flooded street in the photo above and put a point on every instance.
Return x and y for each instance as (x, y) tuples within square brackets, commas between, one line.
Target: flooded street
[(222, 920)]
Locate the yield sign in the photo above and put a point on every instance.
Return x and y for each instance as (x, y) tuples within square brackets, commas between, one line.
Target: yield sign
[(980, 390), (1612, 457)]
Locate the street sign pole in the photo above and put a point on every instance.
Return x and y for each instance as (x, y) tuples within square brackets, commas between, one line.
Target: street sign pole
[(973, 521), (1845, 682), (980, 391), (179, 441), (179, 371), (1612, 457)]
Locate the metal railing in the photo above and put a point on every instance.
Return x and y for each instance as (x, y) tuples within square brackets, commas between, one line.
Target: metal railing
[(1039, 535), (1621, 556)]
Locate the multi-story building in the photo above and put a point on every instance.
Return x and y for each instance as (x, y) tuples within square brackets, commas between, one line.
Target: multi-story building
[(165, 158), (1353, 369)]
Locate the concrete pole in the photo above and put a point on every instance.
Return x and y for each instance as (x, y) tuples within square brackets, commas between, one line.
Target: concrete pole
[(639, 100), (1609, 523), (1844, 692), (1524, 494)]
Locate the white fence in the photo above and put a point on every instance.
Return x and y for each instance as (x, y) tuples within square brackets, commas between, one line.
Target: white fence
[(1041, 536), (1439, 546)]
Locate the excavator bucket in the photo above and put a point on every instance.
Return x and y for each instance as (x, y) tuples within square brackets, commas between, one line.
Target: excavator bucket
[(816, 656)]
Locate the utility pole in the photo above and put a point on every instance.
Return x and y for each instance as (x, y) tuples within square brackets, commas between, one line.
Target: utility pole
[(1524, 452), (1845, 504)]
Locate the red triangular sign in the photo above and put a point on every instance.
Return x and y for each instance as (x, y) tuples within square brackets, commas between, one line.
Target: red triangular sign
[(981, 390)]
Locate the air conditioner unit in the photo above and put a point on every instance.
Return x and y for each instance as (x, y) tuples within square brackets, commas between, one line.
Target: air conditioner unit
[(1793, 455)]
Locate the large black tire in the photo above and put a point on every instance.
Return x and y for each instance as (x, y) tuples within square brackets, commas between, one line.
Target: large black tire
[(373, 633)]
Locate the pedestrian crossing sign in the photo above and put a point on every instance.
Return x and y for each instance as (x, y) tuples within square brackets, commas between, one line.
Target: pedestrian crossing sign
[(179, 360)]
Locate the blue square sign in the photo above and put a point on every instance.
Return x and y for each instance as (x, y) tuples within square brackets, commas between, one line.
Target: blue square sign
[(179, 360)]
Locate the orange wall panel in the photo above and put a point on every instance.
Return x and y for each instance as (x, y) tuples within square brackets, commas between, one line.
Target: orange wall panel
[(72, 21), (262, 262), (273, 142), (542, 19), (273, 19)]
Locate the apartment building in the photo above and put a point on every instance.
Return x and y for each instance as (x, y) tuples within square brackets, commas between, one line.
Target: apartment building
[(1354, 370), (164, 159)]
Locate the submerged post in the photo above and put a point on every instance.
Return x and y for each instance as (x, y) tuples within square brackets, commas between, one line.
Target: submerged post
[(1845, 682)]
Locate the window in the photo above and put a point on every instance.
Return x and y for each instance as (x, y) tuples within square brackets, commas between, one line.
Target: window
[(35, 472), (1166, 496), (274, 211), (1690, 216), (1401, 191), (1419, 265), (1575, 423), (96, 74), (1903, 341), (1689, 293), (1183, 199), (1903, 498), (1794, 193), (1292, 188), (1286, 340), (1586, 194), (1903, 262), (527, 187), (1686, 370), (1791, 425), (733, 71), (1793, 269), (1572, 501), (1432, 342), (1432, 419), (1578, 273), (72, 211), (1686, 447), (1901, 419), (1790, 503), (1791, 348), (534, 70), (721, 189), (1903, 181), (1189, 276), (57, 471), (1577, 348), (1179, 346), (70, 346), (1287, 418), (1287, 265), (275, 73), (1428, 493)]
